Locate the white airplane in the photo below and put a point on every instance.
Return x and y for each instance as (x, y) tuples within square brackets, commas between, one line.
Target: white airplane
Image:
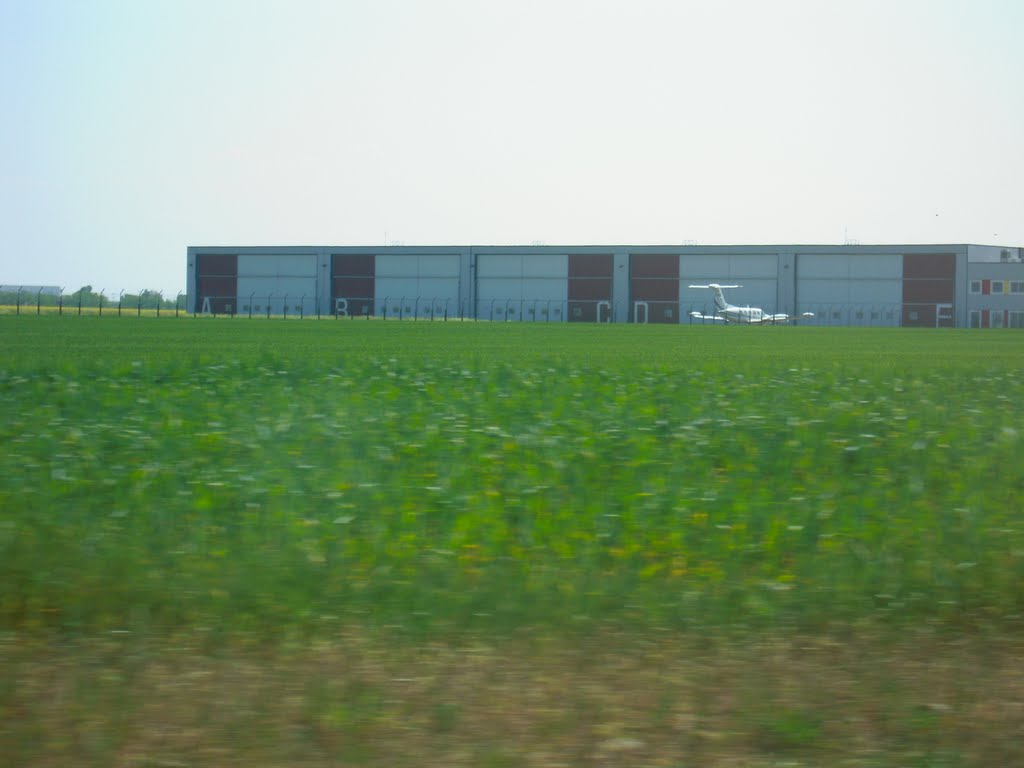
[(730, 313)]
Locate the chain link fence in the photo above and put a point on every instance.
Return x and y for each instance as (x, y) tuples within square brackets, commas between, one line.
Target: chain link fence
[(150, 303)]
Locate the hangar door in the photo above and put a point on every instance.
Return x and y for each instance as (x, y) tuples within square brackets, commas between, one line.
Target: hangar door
[(531, 287), (654, 288), (352, 291), (850, 288), (757, 274), (216, 283), (417, 285), (277, 284), (590, 287), (929, 290)]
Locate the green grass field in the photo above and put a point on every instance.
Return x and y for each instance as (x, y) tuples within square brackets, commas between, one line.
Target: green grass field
[(243, 487)]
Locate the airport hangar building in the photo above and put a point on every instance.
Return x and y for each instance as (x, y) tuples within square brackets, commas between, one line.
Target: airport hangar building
[(932, 286)]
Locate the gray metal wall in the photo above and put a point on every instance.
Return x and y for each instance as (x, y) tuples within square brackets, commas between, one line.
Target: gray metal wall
[(842, 285)]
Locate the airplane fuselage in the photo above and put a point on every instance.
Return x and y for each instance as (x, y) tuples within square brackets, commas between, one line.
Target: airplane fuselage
[(733, 314), (730, 313)]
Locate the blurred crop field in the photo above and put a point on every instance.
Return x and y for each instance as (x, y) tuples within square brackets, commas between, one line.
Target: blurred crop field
[(359, 542)]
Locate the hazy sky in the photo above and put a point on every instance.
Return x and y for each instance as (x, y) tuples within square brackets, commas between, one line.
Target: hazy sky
[(134, 128)]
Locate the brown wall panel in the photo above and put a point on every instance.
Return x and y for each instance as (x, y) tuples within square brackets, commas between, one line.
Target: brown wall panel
[(353, 265), (352, 278), (583, 312), (654, 278), (657, 312), (358, 306), (590, 265), (217, 282), (655, 290), (929, 265), (654, 265), (590, 289), (919, 315), (216, 264), (590, 281), (938, 291), (217, 285), (217, 293), (352, 287)]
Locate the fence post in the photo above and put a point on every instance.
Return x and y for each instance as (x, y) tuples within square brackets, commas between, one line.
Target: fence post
[(60, 302), (101, 301), (17, 301)]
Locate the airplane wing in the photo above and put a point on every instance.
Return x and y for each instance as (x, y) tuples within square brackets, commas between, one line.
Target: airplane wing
[(784, 318), (699, 316)]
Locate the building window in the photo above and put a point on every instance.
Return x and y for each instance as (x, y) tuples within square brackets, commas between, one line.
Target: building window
[(975, 320), (995, 319), (997, 286), (975, 286), (1017, 286), (1016, 319)]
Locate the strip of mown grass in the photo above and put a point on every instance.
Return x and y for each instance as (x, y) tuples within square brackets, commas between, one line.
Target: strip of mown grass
[(278, 477), (922, 699)]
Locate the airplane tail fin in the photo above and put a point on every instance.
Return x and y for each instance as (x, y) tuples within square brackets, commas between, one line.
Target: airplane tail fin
[(720, 302)]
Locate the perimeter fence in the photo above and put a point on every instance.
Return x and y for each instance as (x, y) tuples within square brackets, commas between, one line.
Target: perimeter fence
[(442, 309)]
